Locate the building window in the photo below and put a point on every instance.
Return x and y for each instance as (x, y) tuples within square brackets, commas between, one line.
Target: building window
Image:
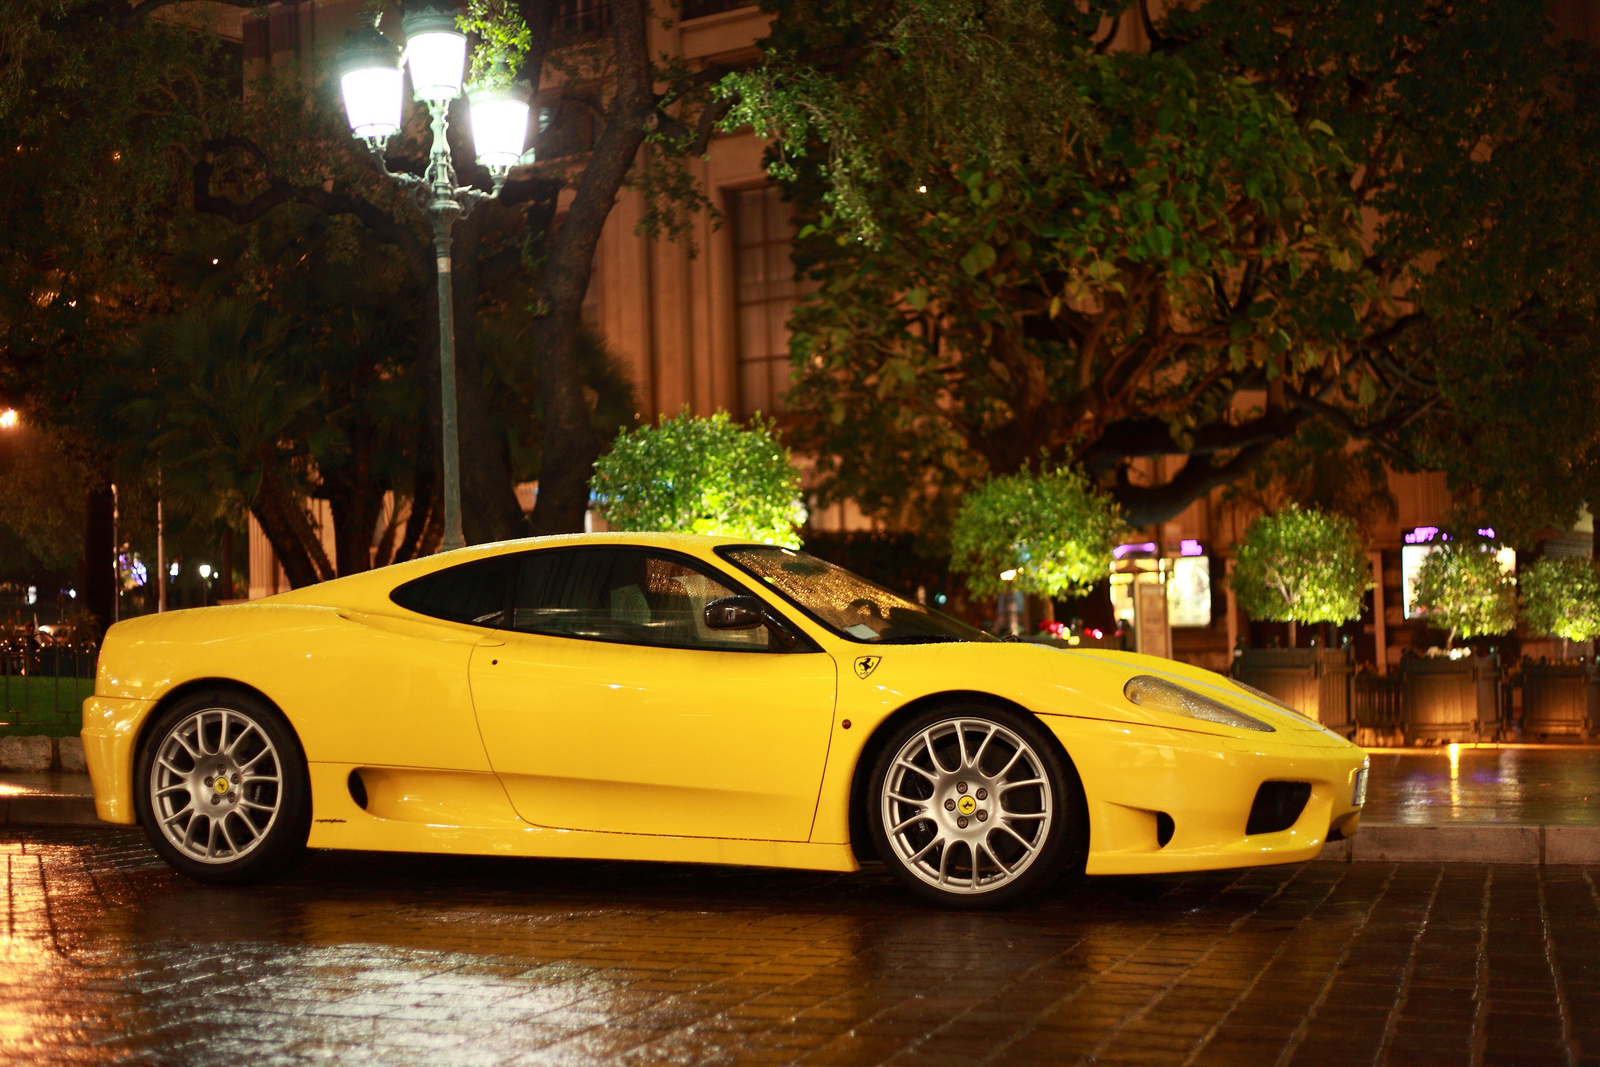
[(581, 19), (766, 291), (697, 9)]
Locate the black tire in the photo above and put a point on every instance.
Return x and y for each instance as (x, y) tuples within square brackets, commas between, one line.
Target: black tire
[(1004, 839), (233, 803)]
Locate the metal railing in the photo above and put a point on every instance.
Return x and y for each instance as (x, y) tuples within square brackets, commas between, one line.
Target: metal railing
[(43, 683)]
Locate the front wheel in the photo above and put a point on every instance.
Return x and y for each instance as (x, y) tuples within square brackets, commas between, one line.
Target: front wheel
[(975, 807), (222, 789)]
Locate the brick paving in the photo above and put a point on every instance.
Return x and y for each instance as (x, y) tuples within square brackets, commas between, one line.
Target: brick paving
[(107, 956)]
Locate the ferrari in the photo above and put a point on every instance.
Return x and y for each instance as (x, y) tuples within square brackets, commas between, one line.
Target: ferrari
[(689, 699)]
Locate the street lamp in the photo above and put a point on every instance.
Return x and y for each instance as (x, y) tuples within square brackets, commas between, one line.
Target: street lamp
[(371, 82)]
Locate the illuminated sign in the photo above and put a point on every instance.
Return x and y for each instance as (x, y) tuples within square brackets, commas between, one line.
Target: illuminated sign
[(1189, 591)]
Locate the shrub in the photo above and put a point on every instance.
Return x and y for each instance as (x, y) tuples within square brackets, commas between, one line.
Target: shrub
[(703, 475), (1561, 597), (1055, 530), (1301, 565), (1464, 591)]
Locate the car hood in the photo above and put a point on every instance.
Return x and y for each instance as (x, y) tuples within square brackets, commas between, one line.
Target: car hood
[(1071, 682)]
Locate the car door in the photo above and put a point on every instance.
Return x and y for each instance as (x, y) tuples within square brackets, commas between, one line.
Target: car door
[(608, 704)]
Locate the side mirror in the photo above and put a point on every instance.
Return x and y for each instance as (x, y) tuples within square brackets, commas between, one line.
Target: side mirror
[(735, 613)]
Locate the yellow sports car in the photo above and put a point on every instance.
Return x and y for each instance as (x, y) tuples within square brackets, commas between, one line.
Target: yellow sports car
[(667, 697)]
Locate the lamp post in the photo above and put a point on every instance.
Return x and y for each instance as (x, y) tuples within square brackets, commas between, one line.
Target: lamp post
[(372, 82)]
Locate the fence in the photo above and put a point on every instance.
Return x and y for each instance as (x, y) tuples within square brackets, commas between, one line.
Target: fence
[(1377, 701), (43, 685)]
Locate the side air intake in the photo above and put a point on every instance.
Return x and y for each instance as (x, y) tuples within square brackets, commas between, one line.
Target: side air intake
[(1277, 806)]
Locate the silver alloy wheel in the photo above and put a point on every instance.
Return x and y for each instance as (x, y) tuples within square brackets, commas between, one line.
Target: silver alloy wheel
[(967, 805), (216, 785)]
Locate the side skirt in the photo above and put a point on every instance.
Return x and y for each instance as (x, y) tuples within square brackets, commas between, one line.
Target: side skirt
[(468, 813)]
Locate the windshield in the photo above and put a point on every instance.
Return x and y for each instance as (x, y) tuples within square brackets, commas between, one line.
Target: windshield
[(847, 603)]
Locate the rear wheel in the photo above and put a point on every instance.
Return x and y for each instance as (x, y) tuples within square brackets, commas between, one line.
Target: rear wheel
[(222, 788), (975, 807)]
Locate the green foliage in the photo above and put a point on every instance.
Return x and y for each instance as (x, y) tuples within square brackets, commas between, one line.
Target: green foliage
[(869, 87), (512, 389), (1161, 233), (702, 475), (226, 401), (291, 377), (1463, 590), (1561, 597), (1476, 128), (503, 42), (1300, 565), (1104, 299), (1054, 529)]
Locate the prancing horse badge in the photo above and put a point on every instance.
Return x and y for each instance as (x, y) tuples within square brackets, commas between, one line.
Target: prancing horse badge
[(865, 665)]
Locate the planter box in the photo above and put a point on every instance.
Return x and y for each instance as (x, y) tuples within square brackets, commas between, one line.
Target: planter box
[(1313, 681), (1559, 698), (1451, 699)]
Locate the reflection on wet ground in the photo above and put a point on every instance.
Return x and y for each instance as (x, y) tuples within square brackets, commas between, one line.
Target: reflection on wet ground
[(108, 956), (1461, 784), (54, 783)]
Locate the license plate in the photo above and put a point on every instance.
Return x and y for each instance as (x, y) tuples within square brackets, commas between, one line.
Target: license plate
[(1358, 795)]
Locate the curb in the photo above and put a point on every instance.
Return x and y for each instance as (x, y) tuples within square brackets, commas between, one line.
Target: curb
[(1535, 845), (33, 754), (48, 809)]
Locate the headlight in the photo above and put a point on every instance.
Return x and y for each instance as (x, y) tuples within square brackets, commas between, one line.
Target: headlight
[(1154, 693)]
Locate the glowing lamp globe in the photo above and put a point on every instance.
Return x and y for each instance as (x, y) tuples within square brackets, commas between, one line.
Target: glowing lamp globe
[(500, 125), (436, 53), (373, 85)]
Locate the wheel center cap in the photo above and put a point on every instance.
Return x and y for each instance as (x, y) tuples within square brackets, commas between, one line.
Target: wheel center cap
[(221, 785), (966, 805)]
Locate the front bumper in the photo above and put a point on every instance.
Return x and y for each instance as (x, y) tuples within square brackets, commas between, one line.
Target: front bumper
[(110, 728), (1205, 784)]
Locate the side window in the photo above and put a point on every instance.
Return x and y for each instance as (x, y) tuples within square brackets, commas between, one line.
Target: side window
[(473, 592), (623, 594)]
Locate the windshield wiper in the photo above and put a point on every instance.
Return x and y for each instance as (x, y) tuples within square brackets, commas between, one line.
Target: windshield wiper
[(918, 639)]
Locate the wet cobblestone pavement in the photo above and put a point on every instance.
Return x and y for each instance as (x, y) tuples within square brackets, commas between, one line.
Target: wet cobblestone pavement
[(107, 956)]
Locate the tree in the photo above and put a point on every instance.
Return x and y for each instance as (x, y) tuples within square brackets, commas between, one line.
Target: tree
[(1301, 566), (1474, 132), (1049, 533), (226, 403), (704, 476), (145, 157), (1097, 276), (1315, 470), (649, 117), (1463, 590), (1047, 288), (41, 506), (95, 97), (1561, 597)]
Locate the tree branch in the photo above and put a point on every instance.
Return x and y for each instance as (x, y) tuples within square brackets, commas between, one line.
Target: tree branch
[(384, 226)]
